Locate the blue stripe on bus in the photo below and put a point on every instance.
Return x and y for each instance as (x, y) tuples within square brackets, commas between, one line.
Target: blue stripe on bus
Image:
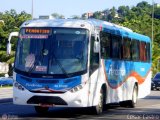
[(54, 84)]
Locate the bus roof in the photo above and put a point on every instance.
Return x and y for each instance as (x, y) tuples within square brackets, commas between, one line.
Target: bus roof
[(119, 30), (74, 23), (90, 24)]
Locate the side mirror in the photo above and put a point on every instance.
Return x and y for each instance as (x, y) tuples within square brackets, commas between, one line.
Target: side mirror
[(8, 48), (96, 47), (12, 34)]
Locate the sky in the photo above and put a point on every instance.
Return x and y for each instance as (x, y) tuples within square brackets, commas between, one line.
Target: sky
[(68, 8)]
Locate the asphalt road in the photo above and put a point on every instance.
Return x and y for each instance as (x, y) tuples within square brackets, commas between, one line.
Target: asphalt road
[(147, 109)]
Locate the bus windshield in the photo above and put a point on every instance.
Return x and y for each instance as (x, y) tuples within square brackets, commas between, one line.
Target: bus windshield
[(54, 51)]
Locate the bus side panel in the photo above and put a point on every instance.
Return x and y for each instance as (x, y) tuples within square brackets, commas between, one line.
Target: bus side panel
[(143, 77), (121, 77), (120, 83)]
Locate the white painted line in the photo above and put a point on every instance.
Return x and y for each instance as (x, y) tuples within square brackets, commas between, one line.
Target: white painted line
[(151, 106)]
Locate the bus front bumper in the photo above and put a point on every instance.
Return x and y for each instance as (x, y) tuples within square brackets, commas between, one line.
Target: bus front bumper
[(67, 99)]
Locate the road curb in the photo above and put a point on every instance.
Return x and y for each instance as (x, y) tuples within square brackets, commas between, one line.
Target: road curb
[(6, 100)]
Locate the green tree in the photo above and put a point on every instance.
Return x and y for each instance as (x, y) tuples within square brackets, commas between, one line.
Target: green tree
[(97, 15), (123, 11), (12, 22), (75, 17), (58, 16), (112, 14)]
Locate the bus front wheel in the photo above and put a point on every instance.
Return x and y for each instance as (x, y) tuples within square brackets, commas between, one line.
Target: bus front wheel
[(98, 109)]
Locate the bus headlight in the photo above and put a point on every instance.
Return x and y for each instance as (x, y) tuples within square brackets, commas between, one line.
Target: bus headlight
[(77, 88), (18, 86)]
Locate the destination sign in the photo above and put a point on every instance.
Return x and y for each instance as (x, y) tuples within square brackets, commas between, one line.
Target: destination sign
[(45, 31), (33, 36)]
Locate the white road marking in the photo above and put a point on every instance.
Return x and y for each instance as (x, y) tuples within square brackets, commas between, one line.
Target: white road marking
[(155, 106)]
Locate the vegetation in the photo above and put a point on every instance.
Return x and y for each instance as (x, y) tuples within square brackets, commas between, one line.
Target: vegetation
[(137, 18), (10, 21)]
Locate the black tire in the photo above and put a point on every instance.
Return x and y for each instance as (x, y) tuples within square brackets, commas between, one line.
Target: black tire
[(41, 110), (132, 103), (98, 109), (124, 103)]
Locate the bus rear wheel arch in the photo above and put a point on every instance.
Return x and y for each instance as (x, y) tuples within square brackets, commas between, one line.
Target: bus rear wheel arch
[(131, 103)]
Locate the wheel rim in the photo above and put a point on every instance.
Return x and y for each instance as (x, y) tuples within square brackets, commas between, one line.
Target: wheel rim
[(134, 96)]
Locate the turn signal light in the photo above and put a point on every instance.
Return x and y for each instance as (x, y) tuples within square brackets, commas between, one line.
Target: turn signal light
[(77, 88), (18, 86)]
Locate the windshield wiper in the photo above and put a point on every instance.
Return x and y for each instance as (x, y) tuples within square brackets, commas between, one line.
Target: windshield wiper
[(59, 64)]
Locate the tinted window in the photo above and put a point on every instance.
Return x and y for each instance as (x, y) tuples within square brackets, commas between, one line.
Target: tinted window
[(94, 57), (143, 56), (148, 52), (116, 47), (126, 49), (135, 50), (105, 45)]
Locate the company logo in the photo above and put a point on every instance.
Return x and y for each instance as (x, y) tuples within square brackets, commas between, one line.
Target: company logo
[(33, 85), (117, 71)]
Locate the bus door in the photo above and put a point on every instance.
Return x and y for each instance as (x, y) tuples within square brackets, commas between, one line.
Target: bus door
[(94, 67)]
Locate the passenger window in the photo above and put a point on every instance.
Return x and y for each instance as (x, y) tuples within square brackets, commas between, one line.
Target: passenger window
[(116, 47), (105, 45), (148, 52), (135, 50), (94, 57), (143, 56), (126, 49)]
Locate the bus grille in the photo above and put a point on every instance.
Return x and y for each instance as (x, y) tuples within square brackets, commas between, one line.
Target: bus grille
[(46, 100)]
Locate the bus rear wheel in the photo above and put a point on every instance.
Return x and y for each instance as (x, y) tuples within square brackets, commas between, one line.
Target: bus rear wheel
[(41, 110), (132, 103)]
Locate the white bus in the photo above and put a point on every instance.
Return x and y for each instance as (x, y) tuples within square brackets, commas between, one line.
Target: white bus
[(80, 63)]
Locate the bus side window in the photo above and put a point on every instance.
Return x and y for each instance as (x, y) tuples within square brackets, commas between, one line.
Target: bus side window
[(148, 52), (143, 56), (135, 50), (94, 57), (105, 45), (116, 51), (126, 48)]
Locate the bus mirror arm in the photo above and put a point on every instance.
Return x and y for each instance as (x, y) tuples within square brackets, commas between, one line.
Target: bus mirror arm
[(96, 47), (8, 48), (12, 34)]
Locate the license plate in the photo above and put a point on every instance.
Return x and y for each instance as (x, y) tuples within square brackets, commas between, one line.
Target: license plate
[(47, 105)]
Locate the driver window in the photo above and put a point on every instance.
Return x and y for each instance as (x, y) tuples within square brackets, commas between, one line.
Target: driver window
[(94, 57)]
